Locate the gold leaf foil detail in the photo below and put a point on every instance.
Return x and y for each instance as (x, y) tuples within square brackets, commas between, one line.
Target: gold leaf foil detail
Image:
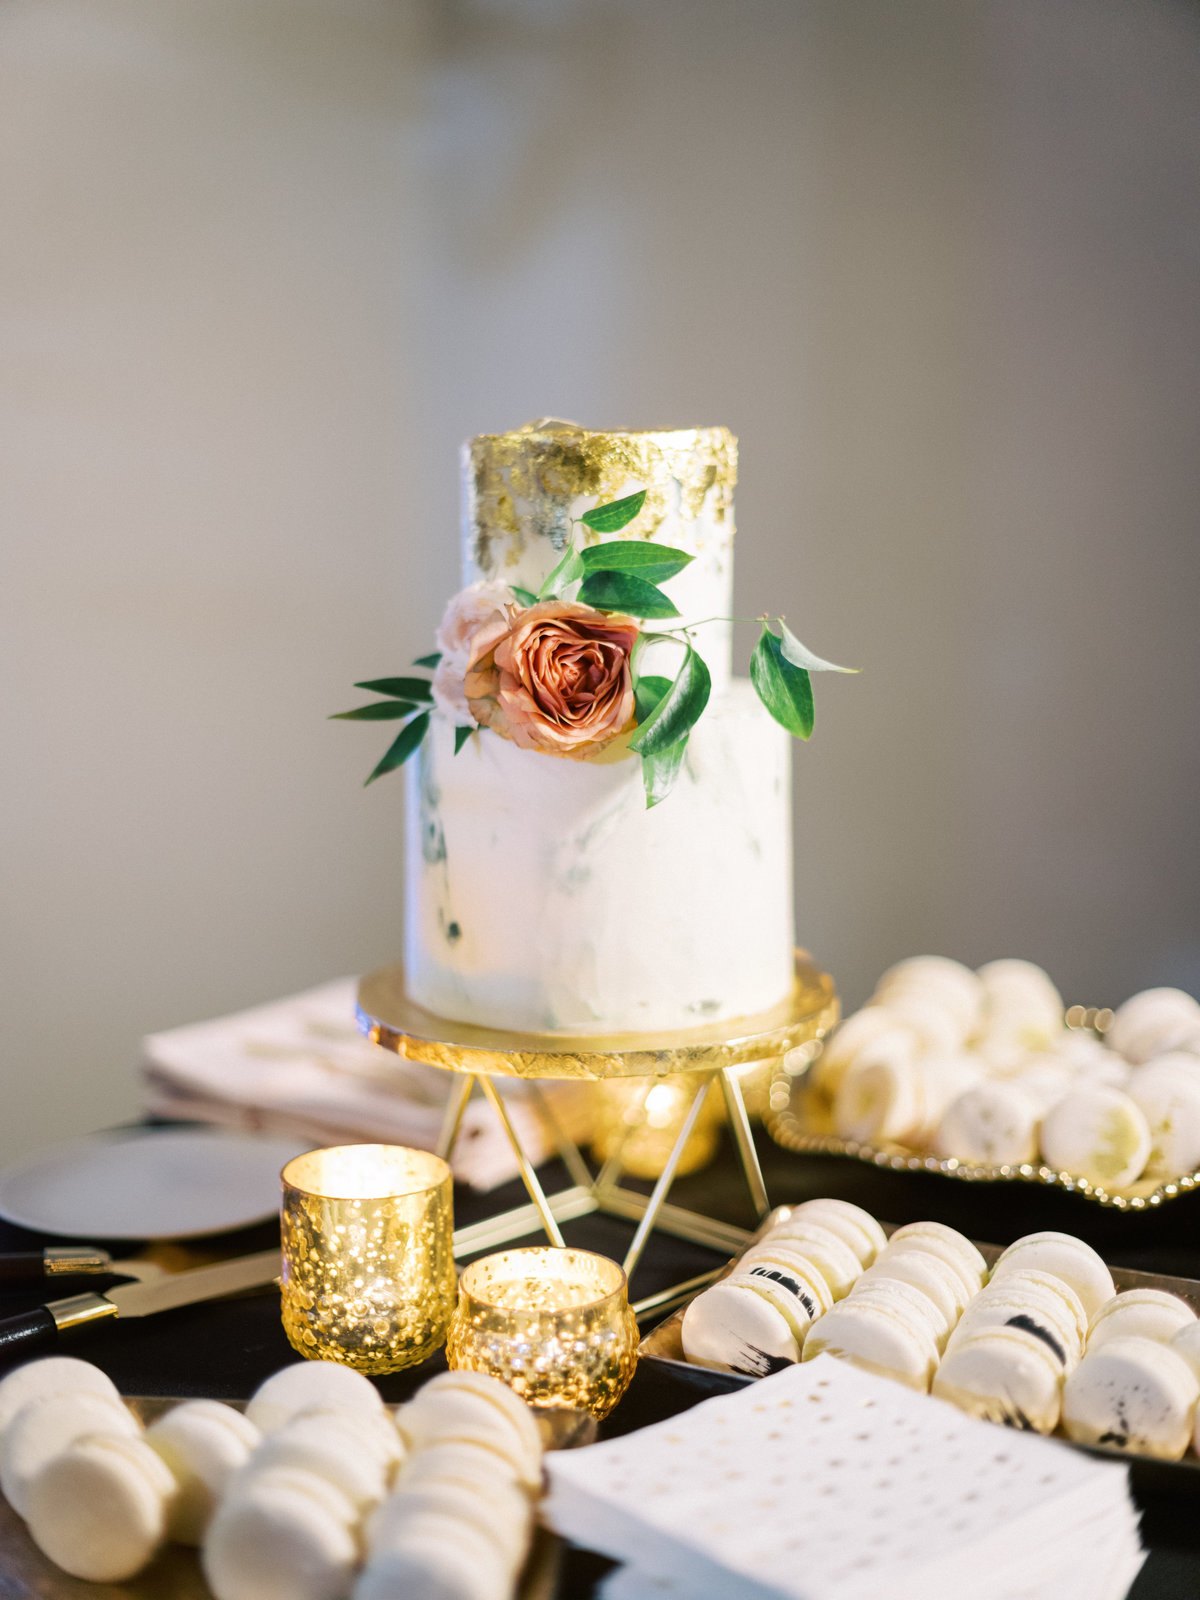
[(523, 483)]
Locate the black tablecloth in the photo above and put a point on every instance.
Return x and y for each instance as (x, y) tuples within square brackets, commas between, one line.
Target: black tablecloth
[(224, 1349)]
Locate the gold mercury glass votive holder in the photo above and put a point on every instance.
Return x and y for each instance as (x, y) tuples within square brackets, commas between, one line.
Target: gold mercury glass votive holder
[(555, 1325), (368, 1257)]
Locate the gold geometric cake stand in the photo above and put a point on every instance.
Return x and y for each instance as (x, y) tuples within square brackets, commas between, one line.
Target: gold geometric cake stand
[(477, 1056)]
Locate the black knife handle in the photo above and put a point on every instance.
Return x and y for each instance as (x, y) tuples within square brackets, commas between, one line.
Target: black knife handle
[(23, 1266), (30, 1333)]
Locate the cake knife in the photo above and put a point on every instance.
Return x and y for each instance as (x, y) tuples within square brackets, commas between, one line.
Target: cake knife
[(31, 1332), (68, 1261)]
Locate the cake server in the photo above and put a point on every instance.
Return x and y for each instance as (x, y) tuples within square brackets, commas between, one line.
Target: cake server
[(33, 1332)]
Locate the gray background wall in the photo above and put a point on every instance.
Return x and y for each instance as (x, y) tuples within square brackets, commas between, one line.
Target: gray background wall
[(265, 262)]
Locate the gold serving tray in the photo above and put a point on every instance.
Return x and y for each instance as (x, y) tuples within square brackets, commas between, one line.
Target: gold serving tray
[(389, 1018), (805, 1125), (26, 1574), (663, 1349)]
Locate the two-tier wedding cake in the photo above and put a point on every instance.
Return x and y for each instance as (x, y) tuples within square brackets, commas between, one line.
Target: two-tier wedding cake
[(572, 866)]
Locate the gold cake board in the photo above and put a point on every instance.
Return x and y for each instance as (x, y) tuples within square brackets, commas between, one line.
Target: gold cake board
[(477, 1056)]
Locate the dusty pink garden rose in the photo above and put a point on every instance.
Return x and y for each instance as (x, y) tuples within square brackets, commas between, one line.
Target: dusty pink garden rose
[(478, 606), (555, 678)]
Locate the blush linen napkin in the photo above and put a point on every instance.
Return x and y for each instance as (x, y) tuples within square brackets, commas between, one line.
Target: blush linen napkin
[(823, 1482), (300, 1066)]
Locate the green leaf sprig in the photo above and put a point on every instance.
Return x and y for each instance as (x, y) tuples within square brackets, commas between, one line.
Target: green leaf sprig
[(620, 574), (407, 697), (624, 575)]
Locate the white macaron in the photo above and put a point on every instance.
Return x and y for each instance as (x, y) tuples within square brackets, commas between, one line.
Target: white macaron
[(458, 1413), (286, 1534), (872, 1336), (1132, 1394), (853, 1225), (877, 1100), (47, 1426), (37, 1380), (790, 1258), (993, 1124), (843, 1047), (496, 1393), (502, 1513), (1030, 1283), (326, 1444), (1033, 1307), (310, 1386), (953, 986), (1144, 1313), (440, 1561), (1066, 1257), (901, 1298), (733, 1328), (1152, 1022), (203, 1443), (929, 1274), (948, 1243), (1099, 1134), (99, 1508), (1169, 1098), (1004, 1374), (459, 1461), (831, 1255)]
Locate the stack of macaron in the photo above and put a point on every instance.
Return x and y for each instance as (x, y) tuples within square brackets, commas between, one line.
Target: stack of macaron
[(74, 1463), (1138, 1386), (756, 1320), (901, 1313), (289, 1523), (1025, 1332), (981, 1068), (1043, 1342), (459, 1519), (286, 1500)]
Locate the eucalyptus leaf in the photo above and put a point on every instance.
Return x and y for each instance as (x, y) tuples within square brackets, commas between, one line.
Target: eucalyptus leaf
[(569, 568), (461, 735), (784, 689), (399, 688), (608, 518), (398, 752), (654, 562), (525, 596), (801, 656), (430, 661), (621, 591), (377, 711), (647, 692), (679, 709), (660, 771)]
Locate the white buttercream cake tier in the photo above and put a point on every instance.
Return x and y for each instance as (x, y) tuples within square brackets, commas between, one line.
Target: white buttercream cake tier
[(542, 895)]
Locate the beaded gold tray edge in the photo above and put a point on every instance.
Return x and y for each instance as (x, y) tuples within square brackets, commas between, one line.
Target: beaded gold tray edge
[(662, 1347)]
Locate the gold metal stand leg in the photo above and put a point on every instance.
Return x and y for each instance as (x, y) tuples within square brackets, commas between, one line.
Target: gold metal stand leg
[(744, 1139), (666, 1178), (528, 1176), (460, 1093)]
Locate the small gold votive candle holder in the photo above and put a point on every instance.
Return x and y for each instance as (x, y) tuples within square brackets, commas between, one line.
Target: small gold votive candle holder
[(555, 1325), (368, 1255)]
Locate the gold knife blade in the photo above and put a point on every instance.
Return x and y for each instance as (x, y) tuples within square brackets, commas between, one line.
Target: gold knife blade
[(170, 1290)]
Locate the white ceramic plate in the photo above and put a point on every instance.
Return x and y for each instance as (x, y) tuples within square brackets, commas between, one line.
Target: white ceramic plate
[(148, 1183)]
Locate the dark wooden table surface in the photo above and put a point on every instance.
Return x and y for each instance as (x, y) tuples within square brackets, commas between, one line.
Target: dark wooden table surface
[(226, 1348)]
